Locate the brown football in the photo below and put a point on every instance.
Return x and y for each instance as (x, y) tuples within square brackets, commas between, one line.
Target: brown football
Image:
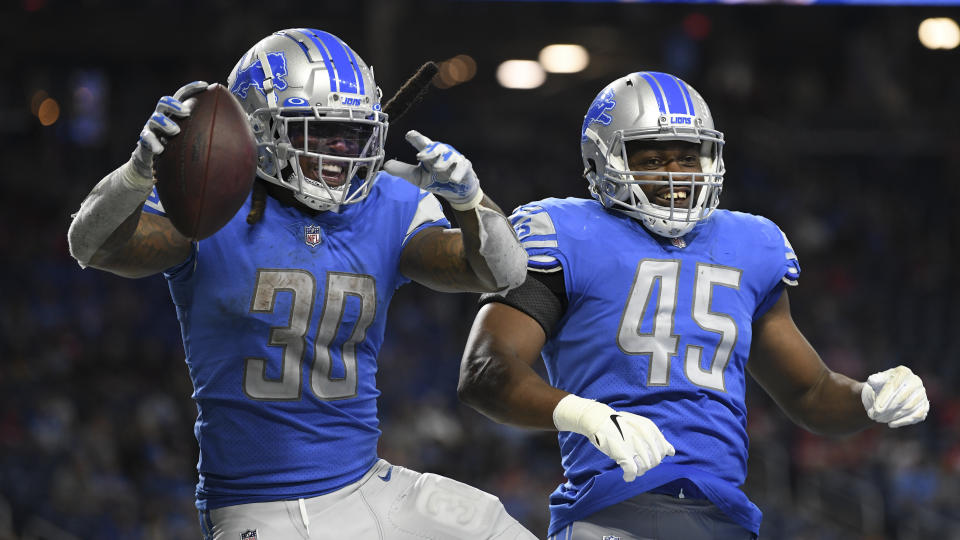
[(206, 172)]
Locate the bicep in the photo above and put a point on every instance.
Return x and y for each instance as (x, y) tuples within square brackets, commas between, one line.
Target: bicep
[(505, 333), (153, 247), (497, 376), (508, 334), (781, 359)]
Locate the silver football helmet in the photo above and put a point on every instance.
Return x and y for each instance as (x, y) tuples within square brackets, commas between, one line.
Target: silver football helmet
[(315, 111), (651, 106)]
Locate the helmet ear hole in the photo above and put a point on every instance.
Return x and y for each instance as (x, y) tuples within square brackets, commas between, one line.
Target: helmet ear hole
[(590, 171), (266, 161)]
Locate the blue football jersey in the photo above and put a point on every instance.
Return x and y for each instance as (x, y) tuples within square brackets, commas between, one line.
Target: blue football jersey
[(658, 328), (281, 323)]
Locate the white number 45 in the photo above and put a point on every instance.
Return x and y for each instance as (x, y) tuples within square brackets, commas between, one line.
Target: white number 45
[(661, 343)]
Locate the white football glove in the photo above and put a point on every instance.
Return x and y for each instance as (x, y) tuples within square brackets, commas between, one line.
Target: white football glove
[(442, 171), (161, 125), (633, 441), (895, 397)]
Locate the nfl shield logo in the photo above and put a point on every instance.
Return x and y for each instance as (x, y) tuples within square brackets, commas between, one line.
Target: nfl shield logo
[(678, 242), (312, 236), (249, 535)]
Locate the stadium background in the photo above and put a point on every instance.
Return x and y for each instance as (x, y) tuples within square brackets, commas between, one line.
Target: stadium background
[(841, 128)]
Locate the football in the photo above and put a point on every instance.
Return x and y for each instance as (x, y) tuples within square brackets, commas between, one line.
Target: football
[(206, 172)]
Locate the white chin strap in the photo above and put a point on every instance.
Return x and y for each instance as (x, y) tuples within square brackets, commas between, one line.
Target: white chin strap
[(316, 204), (268, 89), (667, 228)]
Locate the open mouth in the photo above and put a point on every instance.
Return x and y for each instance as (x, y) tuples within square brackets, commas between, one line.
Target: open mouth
[(333, 174), (679, 197)]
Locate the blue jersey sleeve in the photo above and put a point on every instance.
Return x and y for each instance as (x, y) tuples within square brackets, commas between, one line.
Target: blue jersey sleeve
[(429, 213), (538, 236), (791, 271), (786, 267)]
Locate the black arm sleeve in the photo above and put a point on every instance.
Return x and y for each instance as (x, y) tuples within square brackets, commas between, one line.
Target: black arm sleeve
[(542, 296)]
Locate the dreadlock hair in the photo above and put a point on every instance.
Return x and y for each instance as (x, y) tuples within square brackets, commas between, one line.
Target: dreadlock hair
[(258, 202)]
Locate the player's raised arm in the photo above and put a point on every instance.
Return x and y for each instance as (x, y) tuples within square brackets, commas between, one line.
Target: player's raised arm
[(484, 254), (821, 400), (110, 231)]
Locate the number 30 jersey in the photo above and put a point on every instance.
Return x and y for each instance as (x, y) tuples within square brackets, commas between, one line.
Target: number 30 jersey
[(659, 328), (281, 323)]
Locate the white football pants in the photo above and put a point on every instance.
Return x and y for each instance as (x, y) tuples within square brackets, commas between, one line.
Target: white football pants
[(388, 503)]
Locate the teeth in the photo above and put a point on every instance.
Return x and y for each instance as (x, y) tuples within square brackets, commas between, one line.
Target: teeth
[(330, 168), (675, 195)]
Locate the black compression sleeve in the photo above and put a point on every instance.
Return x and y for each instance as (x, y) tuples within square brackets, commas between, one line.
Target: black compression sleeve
[(542, 296)]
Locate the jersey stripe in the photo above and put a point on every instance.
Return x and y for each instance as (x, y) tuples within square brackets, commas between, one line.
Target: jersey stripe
[(538, 236), (428, 213), (153, 204)]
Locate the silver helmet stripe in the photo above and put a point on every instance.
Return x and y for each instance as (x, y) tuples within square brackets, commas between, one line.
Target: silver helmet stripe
[(338, 59), (313, 50)]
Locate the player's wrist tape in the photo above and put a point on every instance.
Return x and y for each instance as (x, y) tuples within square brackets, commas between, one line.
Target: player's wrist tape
[(574, 413), (133, 176), (107, 206), (468, 204), (505, 257)]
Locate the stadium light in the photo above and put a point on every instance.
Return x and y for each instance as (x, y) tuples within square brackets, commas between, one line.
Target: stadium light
[(520, 74), (48, 112), (459, 69), (564, 58), (939, 33)]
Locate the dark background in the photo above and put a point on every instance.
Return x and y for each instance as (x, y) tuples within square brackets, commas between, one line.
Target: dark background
[(841, 128)]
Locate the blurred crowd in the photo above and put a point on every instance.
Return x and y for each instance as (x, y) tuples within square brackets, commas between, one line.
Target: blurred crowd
[(845, 137)]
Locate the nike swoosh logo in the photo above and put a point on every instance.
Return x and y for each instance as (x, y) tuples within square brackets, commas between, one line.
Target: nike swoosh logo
[(386, 477), (613, 418)]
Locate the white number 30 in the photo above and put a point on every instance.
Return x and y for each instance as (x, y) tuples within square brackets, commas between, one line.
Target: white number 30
[(293, 337)]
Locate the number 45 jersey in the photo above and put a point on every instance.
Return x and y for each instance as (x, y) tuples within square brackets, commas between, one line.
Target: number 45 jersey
[(659, 328), (281, 323)]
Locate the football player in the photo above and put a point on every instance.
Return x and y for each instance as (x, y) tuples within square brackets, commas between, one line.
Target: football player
[(648, 306), (282, 311)]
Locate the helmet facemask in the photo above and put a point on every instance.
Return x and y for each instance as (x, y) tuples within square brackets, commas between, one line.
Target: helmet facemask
[(302, 88), (652, 107), (328, 157), (692, 196)]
